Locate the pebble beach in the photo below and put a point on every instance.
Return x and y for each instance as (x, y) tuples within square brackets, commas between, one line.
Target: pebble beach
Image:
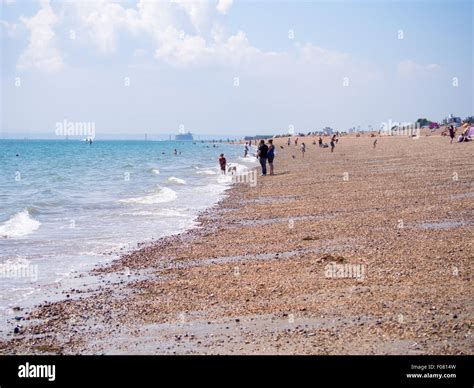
[(361, 251)]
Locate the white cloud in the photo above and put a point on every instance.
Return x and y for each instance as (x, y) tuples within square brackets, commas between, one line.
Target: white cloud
[(320, 56), (11, 28), (223, 6), (41, 54), (102, 21), (197, 11), (409, 68)]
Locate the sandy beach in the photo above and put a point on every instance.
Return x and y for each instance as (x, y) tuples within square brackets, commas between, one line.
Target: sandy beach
[(361, 251)]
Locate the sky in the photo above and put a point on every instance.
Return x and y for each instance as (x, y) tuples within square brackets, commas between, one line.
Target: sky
[(231, 68)]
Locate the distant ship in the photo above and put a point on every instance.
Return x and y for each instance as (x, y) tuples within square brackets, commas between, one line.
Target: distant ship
[(184, 136)]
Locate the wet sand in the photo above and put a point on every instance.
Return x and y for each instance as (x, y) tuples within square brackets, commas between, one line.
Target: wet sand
[(360, 251)]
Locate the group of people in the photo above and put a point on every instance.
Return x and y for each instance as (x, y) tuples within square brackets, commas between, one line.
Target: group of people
[(464, 134), (266, 153), (332, 143)]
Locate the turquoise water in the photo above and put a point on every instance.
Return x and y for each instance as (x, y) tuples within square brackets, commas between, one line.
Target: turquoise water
[(66, 205)]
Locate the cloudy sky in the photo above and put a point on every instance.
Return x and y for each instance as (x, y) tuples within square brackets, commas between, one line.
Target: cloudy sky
[(232, 67)]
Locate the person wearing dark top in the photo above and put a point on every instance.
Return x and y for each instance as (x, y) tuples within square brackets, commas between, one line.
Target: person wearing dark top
[(262, 156), (333, 143), (320, 141), (223, 163), (271, 155), (452, 131)]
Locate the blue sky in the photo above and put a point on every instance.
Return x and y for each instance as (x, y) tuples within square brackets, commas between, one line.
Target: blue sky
[(232, 68)]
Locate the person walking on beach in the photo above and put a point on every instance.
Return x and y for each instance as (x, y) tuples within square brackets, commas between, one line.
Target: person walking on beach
[(271, 155), (320, 141), (289, 141), (452, 133), (333, 143), (303, 149), (296, 142), (223, 163), (262, 156)]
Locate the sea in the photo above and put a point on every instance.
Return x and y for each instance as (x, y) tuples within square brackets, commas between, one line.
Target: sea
[(67, 206)]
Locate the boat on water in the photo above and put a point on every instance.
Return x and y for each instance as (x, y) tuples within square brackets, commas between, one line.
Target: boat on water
[(184, 136)]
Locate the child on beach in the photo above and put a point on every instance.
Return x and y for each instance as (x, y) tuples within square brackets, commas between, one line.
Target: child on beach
[(303, 149), (223, 163), (271, 155)]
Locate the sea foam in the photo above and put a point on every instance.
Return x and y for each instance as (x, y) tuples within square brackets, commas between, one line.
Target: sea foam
[(177, 180), (21, 224), (163, 194)]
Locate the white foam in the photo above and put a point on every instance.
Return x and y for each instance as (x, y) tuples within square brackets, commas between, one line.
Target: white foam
[(177, 180), (21, 224), (206, 172), (163, 194), (158, 212), (248, 159), (17, 261), (155, 171)]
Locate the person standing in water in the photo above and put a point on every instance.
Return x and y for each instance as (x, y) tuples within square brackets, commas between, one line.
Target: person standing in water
[(246, 150), (271, 155), (303, 149), (262, 156), (222, 163)]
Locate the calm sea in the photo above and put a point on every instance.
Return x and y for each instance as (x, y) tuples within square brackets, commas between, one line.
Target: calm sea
[(66, 205)]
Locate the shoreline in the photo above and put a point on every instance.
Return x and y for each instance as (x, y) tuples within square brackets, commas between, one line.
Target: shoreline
[(252, 278), (129, 210)]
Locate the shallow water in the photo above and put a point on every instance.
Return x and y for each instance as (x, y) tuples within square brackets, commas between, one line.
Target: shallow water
[(66, 206)]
